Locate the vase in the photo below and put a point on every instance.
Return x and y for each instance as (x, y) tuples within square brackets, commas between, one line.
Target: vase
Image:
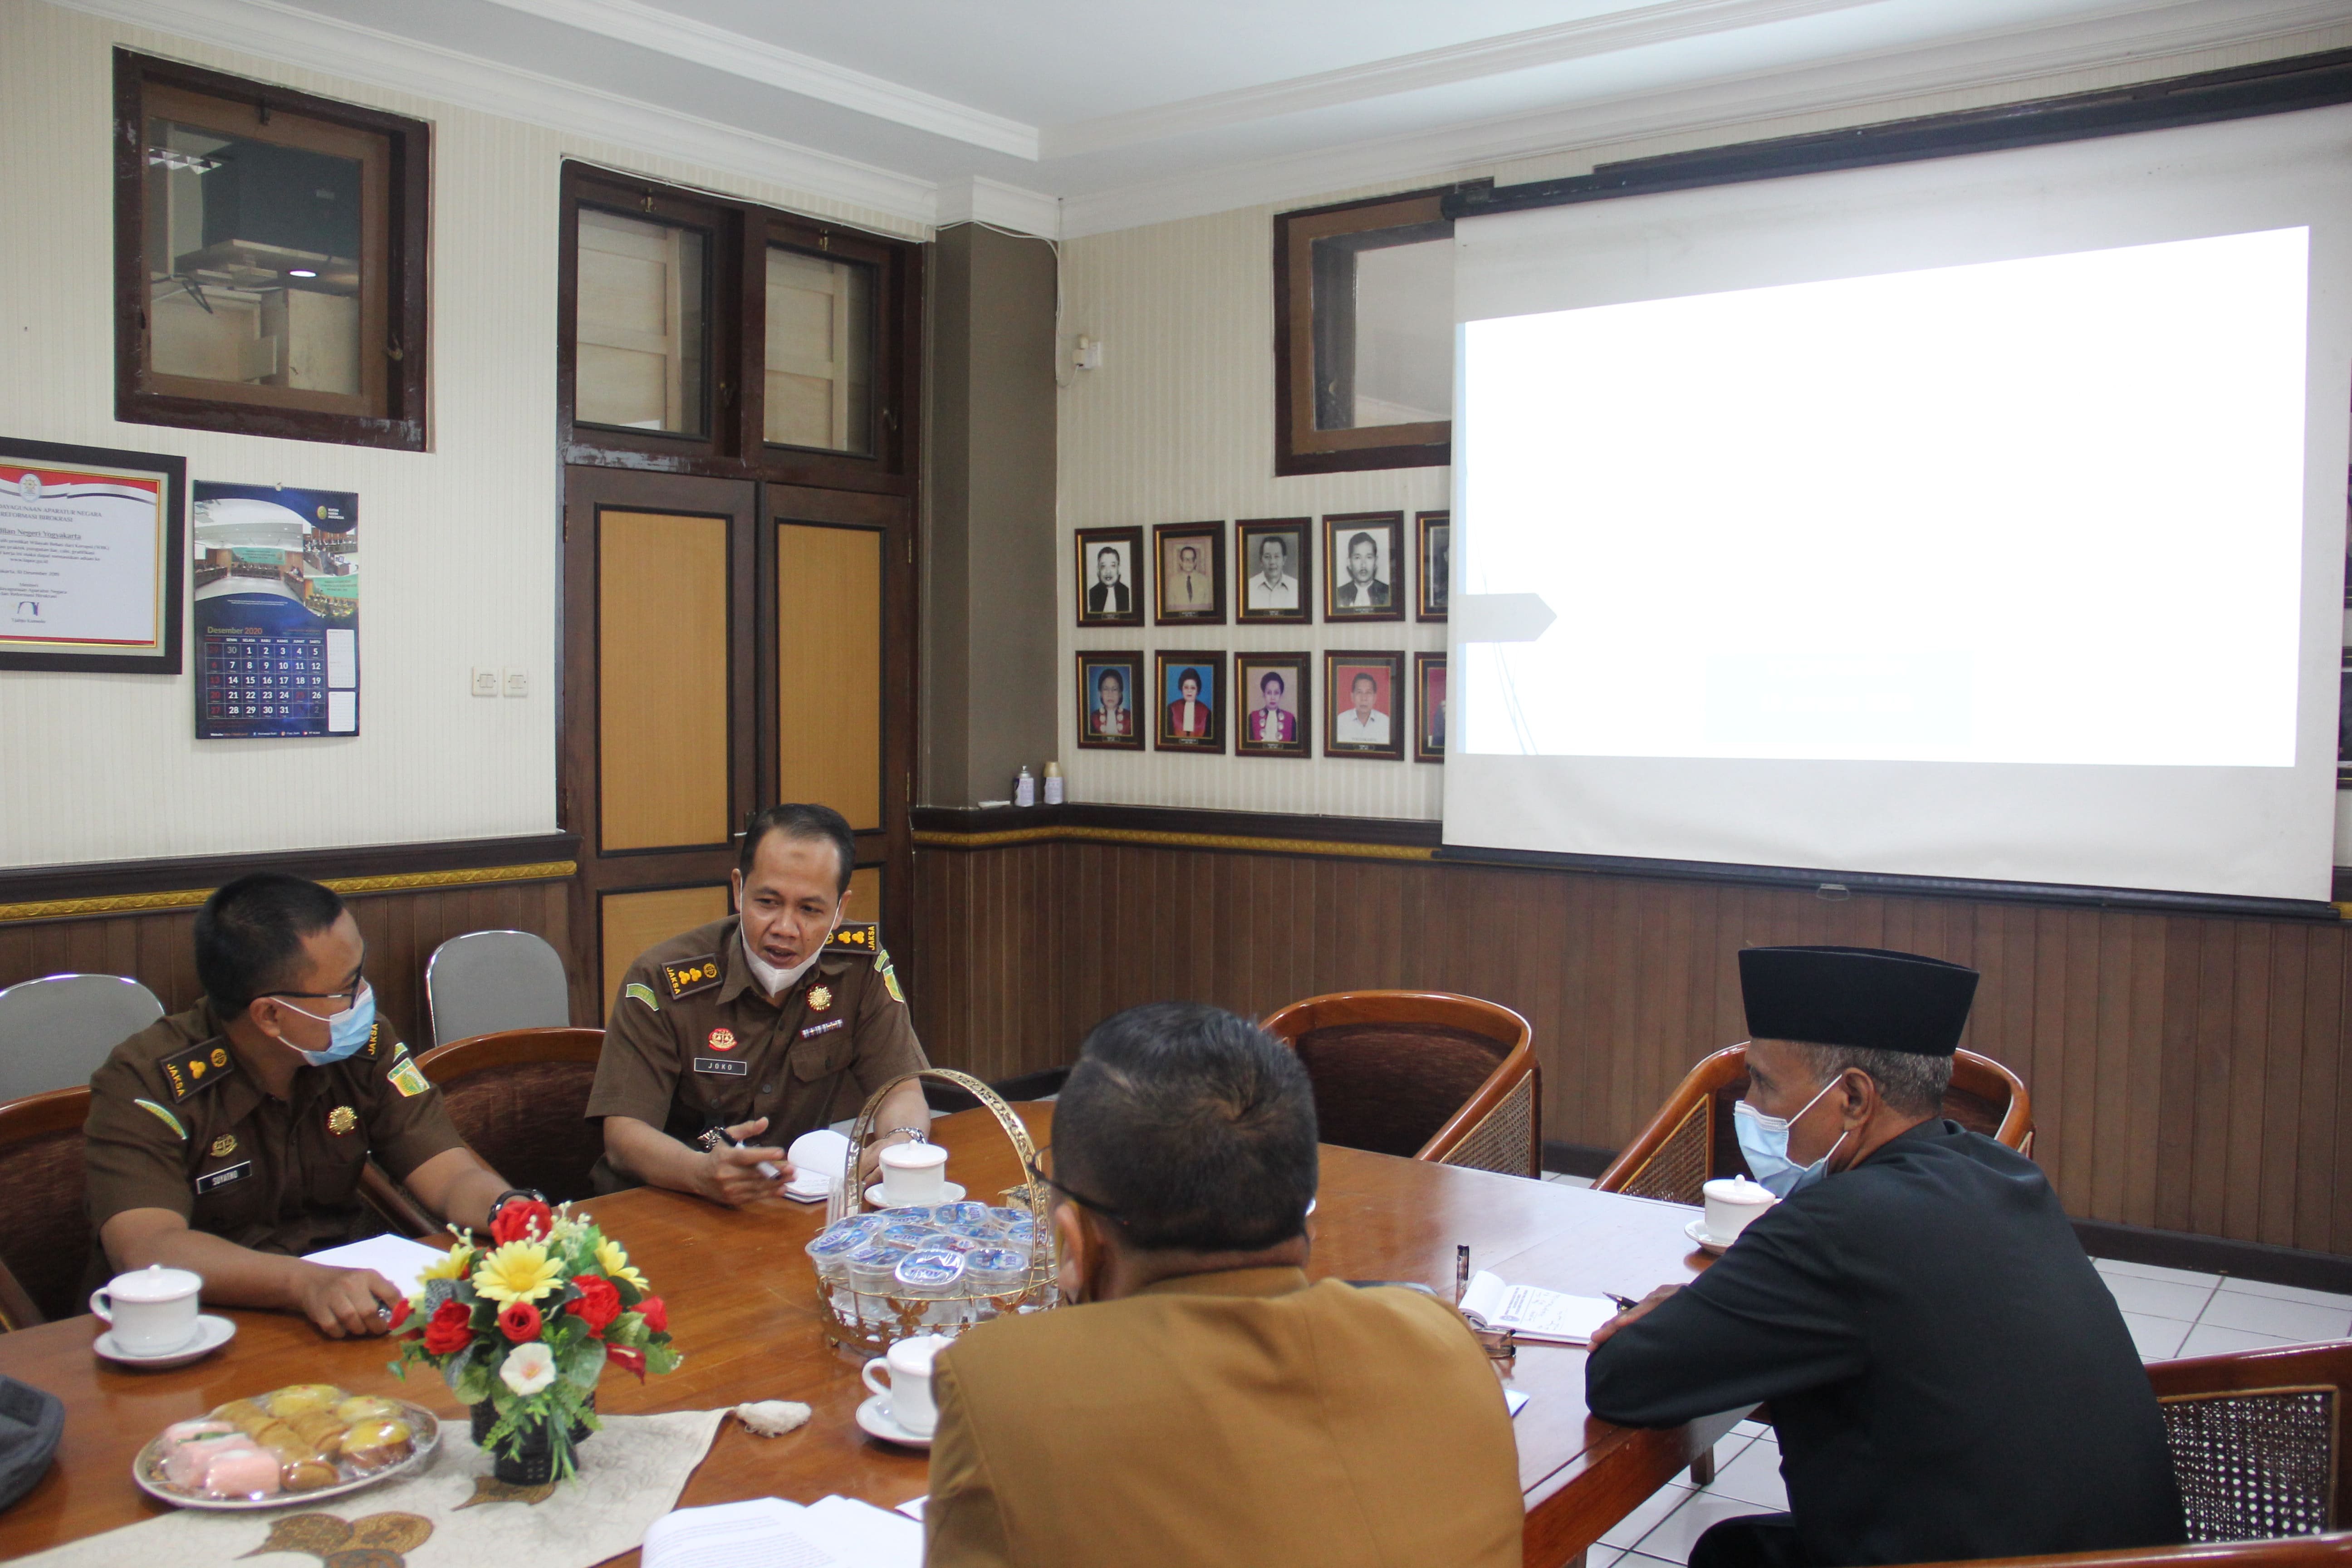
[(526, 1458)]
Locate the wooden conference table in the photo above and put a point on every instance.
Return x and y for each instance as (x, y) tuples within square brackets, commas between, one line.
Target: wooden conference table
[(742, 1305)]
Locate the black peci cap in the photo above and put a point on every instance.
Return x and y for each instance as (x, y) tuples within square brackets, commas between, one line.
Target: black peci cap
[(1859, 997)]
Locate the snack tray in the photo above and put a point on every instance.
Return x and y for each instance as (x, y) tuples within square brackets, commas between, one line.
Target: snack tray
[(146, 1468)]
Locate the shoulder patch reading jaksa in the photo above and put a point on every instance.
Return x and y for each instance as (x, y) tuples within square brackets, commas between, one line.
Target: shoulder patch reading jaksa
[(643, 993), (690, 976), (198, 1067), (865, 939)]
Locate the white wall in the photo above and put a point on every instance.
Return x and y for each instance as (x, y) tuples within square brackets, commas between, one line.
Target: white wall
[(1178, 426), (460, 567)]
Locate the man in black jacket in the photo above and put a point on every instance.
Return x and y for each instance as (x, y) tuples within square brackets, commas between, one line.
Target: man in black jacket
[(1949, 1377)]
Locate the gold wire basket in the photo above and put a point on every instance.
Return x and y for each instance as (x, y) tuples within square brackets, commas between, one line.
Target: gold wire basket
[(870, 1322)]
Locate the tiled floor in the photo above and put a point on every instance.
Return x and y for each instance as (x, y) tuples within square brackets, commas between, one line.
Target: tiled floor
[(2170, 1313)]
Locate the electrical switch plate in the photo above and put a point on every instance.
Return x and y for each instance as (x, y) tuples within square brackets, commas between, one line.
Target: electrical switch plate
[(486, 681), (518, 682)]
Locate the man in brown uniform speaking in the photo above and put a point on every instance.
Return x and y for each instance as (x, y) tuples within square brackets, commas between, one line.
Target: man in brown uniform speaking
[(228, 1139), (769, 1024)]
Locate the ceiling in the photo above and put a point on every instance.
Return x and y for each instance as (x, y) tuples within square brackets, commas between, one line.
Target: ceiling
[(1078, 116)]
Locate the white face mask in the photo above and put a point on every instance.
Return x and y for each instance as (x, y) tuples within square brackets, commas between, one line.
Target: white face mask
[(773, 981)]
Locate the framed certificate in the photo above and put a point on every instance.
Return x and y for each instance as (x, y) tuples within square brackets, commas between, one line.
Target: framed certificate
[(93, 546)]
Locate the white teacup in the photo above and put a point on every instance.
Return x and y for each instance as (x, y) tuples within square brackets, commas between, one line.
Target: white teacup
[(1732, 1204), (914, 1173), (152, 1310), (906, 1390)]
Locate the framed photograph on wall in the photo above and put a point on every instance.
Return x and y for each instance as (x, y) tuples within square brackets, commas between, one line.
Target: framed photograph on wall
[(1191, 571), (1429, 703), (1277, 717), (1363, 567), (1110, 576), (1108, 683), (1434, 536), (93, 558), (1272, 571), (1364, 705), (1189, 688)]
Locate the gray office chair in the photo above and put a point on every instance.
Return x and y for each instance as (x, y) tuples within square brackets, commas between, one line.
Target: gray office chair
[(54, 1031), (487, 982)]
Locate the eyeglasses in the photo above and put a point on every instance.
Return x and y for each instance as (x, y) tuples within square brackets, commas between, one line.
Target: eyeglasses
[(353, 992), (1035, 1169)]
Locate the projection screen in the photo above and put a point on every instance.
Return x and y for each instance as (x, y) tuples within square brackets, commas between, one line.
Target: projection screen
[(1975, 518)]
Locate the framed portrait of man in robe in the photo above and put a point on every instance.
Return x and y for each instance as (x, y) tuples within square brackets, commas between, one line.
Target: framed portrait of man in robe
[(1110, 576), (1364, 567), (1277, 717), (1189, 690), (1435, 530), (1190, 558), (1429, 692), (1107, 701), (1364, 706), (1273, 572)]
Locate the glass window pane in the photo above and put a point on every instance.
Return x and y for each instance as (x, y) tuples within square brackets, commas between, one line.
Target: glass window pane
[(820, 362), (253, 260), (1383, 329), (641, 325)]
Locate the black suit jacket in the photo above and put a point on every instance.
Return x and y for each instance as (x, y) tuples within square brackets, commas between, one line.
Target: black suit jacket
[(1949, 1377), (1114, 591)]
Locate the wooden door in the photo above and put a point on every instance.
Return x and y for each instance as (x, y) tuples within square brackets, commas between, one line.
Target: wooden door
[(659, 755)]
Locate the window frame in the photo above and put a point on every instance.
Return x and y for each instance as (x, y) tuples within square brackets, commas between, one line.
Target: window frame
[(395, 374), (1299, 446)]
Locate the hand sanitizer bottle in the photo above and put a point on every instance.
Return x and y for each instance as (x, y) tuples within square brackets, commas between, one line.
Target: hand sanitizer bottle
[(1025, 788)]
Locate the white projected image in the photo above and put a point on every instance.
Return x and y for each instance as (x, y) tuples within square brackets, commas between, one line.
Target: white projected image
[(2033, 511)]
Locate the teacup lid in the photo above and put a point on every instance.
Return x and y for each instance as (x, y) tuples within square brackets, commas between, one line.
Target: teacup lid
[(914, 1156), (1737, 1190), (155, 1283)]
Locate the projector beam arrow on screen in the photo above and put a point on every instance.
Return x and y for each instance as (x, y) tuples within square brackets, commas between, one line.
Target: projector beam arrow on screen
[(1503, 618)]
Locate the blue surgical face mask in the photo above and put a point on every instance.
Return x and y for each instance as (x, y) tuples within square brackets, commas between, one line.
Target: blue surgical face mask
[(347, 1031), (1764, 1141)]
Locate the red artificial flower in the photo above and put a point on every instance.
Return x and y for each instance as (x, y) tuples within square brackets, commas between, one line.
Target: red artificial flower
[(399, 1313), (519, 1322), (451, 1328), (656, 1314), (598, 1305), (522, 1219), (628, 1360)]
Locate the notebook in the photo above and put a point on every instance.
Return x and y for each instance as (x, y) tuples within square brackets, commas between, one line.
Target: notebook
[(1547, 1317), (768, 1532)]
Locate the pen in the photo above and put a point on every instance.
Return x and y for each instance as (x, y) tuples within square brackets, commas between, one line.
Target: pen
[(766, 1168), (1624, 1303), (1461, 1272)]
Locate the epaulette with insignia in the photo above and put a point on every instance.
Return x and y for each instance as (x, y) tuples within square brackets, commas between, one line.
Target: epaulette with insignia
[(865, 939), (197, 1067), (689, 976)]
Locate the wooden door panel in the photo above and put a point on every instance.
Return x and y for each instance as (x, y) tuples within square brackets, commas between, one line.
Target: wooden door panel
[(829, 668), (663, 767), (864, 894), (628, 923)]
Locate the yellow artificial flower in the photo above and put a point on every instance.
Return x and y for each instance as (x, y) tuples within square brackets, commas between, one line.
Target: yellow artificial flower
[(519, 1271), (452, 1264), (616, 1264)]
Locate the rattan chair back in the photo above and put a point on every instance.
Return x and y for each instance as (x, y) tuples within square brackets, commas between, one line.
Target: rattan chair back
[(520, 1099)]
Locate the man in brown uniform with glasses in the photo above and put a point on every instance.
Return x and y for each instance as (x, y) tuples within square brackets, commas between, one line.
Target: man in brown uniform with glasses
[(228, 1139), (732, 1040)]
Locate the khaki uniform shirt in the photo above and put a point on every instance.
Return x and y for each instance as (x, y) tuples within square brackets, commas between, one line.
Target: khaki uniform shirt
[(694, 1043), (1246, 1416), (176, 1122)]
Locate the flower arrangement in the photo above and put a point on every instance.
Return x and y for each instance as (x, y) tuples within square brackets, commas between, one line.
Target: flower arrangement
[(528, 1323)]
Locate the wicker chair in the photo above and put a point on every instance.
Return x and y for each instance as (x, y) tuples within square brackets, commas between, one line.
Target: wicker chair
[(1422, 1074), (2258, 1439), (1690, 1141), (45, 1240), (520, 1099)]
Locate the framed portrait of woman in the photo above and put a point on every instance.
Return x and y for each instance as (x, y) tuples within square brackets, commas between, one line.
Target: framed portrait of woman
[(1187, 689), (1107, 707), (1429, 691), (1277, 718)]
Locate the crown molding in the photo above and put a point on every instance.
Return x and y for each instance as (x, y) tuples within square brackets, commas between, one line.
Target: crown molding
[(1508, 52), (2015, 57), (977, 199), (289, 35), (683, 38)]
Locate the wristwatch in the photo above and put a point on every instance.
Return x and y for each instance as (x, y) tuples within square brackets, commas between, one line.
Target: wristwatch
[(511, 1193)]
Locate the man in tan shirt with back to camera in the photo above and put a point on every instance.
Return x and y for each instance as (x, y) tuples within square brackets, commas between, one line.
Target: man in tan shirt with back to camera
[(1199, 1402)]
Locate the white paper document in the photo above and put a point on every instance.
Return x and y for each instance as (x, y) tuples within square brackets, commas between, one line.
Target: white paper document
[(768, 1532), (1533, 1313), (395, 1258)]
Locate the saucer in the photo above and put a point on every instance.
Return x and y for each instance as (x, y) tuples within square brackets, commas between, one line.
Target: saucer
[(875, 1417), (1697, 1230), (949, 1194), (211, 1334)]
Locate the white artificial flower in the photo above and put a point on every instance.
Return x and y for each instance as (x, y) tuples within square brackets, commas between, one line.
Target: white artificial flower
[(529, 1368)]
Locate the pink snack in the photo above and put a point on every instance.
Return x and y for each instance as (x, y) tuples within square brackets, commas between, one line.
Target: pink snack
[(189, 1454), (242, 1472)]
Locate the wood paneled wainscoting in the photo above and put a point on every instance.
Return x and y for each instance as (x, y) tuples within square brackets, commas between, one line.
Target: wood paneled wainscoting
[(136, 918), (2189, 1073)]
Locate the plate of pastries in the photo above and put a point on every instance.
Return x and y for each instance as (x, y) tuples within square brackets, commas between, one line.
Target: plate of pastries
[(303, 1443)]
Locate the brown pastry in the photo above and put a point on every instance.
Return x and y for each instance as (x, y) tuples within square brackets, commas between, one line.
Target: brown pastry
[(310, 1475), (321, 1429), (295, 1399), (237, 1412), (373, 1444), (365, 1407)]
